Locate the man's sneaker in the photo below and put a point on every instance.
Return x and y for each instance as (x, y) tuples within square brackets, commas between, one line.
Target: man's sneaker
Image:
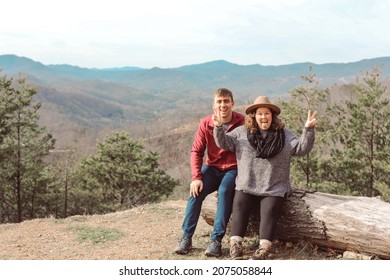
[(260, 254), (184, 246), (236, 250), (214, 249)]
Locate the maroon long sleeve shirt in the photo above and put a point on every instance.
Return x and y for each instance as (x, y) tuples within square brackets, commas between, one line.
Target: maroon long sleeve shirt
[(204, 141)]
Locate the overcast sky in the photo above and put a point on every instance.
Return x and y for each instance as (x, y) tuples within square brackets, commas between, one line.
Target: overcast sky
[(172, 33)]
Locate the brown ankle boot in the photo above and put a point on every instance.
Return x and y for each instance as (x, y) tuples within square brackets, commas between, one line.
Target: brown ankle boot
[(260, 254), (236, 250), (263, 251)]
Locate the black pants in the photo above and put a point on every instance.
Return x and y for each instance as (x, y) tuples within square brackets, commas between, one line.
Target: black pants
[(270, 207)]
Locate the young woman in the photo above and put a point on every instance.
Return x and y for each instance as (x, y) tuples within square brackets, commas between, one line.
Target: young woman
[(263, 148)]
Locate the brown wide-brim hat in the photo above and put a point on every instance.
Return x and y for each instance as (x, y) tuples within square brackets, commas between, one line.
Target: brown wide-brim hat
[(263, 101)]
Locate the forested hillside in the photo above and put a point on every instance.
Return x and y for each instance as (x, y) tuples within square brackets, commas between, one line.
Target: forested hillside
[(126, 96)]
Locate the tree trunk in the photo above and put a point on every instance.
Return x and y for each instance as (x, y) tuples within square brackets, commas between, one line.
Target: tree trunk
[(343, 223)]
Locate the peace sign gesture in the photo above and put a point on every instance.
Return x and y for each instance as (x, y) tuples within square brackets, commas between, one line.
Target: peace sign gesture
[(217, 118), (311, 121)]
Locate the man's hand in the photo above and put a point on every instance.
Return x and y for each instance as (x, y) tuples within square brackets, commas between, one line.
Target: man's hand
[(217, 118), (196, 187)]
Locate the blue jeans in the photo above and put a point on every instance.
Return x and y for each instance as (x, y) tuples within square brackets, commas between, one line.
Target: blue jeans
[(213, 180)]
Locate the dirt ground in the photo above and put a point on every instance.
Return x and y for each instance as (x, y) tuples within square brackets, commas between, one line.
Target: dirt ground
[(148, 232)]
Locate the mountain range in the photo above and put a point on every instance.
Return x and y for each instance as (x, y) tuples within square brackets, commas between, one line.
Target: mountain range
[(126, 96)]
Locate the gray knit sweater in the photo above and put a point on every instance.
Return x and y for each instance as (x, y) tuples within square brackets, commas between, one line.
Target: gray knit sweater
[(264, 177)]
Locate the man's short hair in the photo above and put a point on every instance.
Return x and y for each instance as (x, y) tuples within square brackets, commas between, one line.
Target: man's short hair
[(224, 92)]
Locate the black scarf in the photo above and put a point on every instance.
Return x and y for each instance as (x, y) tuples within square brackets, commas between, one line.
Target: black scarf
[(268, 146)]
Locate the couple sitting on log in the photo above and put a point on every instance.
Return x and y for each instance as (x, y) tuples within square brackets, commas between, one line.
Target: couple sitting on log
[(248, 161)]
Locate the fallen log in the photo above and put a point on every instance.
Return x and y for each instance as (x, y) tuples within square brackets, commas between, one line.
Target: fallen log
[(343, 223)]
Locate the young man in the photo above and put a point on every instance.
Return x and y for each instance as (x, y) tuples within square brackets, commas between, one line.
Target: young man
[(218, 174)]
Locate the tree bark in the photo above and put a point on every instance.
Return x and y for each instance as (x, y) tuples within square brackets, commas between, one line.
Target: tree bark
[(343, 223)]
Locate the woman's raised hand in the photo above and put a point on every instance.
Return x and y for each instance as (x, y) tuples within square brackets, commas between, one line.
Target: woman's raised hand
[(311, 121)]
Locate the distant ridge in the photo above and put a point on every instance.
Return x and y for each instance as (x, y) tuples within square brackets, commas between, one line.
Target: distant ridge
[(13, 63)]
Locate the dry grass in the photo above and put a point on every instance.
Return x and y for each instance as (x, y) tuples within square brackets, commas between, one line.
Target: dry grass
[(148, 232)]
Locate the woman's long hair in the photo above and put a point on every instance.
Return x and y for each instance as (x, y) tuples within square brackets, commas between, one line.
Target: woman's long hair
[(252, 127)]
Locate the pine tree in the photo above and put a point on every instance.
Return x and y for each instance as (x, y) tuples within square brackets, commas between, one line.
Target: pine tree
[(23, 148), (306, 172), (121, 175), (360, 156), (6, 108)]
